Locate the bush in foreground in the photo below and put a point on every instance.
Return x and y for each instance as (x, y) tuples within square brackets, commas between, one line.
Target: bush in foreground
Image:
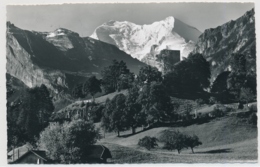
[(148, 142), (68, 142)]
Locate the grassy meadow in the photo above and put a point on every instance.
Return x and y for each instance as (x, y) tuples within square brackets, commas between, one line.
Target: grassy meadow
[(226, 139)]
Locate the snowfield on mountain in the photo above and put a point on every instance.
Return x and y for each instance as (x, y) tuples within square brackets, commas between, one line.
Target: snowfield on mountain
[(138, 40)]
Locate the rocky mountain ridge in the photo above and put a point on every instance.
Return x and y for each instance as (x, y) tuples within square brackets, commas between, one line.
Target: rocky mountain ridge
[(236, 36), (58, 59)]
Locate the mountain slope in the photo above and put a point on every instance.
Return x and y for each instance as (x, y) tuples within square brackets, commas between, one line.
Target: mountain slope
[(146, 41), (218, 44), (58, 59)]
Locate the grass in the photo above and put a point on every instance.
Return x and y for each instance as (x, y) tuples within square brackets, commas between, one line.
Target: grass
[(103, 99), (239, 152), (225, 139), (209, 108), (219, 131), (77, 104)]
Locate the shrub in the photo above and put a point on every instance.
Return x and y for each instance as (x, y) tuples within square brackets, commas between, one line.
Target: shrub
[(200, 102), (220, 110), (223, 108), (148, 142), (212, 100)]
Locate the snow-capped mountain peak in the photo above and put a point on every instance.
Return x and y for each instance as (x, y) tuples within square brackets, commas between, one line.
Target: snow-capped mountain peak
[(59, 32), (138, 40)]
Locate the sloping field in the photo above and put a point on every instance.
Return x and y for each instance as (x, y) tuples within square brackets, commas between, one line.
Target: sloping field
[(209, 108), (229, 139), (77, 105), (232, 153), (220, 131), (103, 99)]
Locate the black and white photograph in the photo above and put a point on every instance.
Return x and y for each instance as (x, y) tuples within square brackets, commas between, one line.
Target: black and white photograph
[(131, 83)]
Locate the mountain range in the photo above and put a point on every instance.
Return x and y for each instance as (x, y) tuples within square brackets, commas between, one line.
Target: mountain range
[(61, 58)]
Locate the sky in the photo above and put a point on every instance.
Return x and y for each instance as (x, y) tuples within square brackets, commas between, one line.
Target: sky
[(84, 18)]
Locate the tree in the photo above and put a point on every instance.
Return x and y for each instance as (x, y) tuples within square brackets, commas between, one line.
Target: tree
[(195, 69), (15, 133), (118, 115), (35, 110), (44, 104), (114, 117), (192, 141), (251, 82), (31, 123), (187, 112), (246, 95), (173, 140), (134, 116), (68, 142), (96, 112), (11, 132), (220, 83), (77, 91), (162, 107), (235, 82), (201, 68), (92, 86), (148, 142), (220, 87), (237, 78), (156, 103), (106, 113), (177, 140), (148, 74), (115, 76), (238, 63), (125, 81)]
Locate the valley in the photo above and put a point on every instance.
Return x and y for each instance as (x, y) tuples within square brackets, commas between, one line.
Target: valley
[(133, 93)]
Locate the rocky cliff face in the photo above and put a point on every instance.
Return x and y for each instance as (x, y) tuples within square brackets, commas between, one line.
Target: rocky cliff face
[(218, 44), (58, 59), (144, 42), (20, 65)]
